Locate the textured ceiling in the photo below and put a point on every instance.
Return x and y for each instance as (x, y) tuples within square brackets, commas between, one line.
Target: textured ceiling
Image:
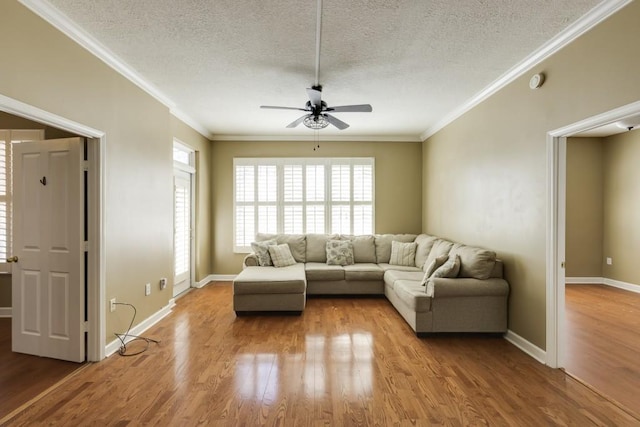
[(413, 61)]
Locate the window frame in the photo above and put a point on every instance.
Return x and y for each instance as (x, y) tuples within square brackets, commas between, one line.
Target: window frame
[(327, 203)]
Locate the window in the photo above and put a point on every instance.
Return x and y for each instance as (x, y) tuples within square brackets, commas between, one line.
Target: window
[(7, 137), (280, 195)]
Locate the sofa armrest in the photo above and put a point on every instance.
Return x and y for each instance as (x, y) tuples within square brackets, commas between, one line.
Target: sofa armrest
[(459, 287), (251, 260)]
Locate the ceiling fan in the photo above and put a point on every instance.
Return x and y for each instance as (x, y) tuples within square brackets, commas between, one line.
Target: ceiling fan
[(318, 116), (316, 110)]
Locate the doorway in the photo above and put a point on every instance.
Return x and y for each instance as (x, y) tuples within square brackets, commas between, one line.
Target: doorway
[(95, 272), (557, 338), (184, 217)]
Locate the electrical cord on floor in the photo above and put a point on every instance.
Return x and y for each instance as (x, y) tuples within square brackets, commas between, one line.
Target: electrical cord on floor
[(123, 337)]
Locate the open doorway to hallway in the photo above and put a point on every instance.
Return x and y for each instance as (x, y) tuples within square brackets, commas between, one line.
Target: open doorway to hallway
[(591, 330)]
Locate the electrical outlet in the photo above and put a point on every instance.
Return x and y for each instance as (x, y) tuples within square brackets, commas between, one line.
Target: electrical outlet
[(112, 305), (147, 289), (163, 283), (609, 261)]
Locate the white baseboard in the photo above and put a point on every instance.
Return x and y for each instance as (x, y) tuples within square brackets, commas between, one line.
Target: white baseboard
[(141, 327), (531, 349), (622, 285), (631, 287), (5, 311), (215, 278), (584, 280)]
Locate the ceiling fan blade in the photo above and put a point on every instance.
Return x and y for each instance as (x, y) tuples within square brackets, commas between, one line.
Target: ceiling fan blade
[(273, 107), (336, 122), (297, 121), (315, 96), (360, 108)]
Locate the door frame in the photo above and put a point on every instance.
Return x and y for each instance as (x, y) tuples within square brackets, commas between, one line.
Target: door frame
[(192, 171), (96, 272), (556, 225)]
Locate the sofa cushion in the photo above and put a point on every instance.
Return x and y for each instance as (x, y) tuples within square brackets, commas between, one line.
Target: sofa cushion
[(281, 255), (363, 271), (425, 243), (364, 247), (297, 243), (403, 254), (383, 245), (474, 262), (270, 280), (391, 276), (317, 247), (386, 267), (339, 252), (440, 247), (449, 269), (433, 266), (413, 295), (261, 250), (316, 271)]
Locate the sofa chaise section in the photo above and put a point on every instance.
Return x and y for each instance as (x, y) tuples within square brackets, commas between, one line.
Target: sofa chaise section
[(270, 289)]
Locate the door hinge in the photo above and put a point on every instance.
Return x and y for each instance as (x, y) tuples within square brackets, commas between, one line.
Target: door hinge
[(85, 326), (85, 246), (562, 264), (85, 165)]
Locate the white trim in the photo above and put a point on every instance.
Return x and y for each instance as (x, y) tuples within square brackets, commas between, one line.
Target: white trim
[(61, 22), (5, 311), (556, 172), (97, 262), (314, 138), (622, 285), (190, 121), (19, 108), (592, 18), (631, 287), (526, 346), (584, 280), (141, 327), (214, 278)]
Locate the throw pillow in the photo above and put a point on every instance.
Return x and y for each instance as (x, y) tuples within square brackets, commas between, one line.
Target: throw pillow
[(403, 253), (433, 266), (261, 249), (339, 252), (281, 255), (448, 269)]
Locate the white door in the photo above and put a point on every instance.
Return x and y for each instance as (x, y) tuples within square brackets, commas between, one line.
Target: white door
[(182, 231), (48, 268)]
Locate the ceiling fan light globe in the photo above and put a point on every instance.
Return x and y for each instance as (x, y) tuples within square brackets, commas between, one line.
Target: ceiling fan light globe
[(315, 122)]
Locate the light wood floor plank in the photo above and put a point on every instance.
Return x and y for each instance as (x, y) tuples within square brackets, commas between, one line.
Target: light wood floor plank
[(603, 340), (344, 361)]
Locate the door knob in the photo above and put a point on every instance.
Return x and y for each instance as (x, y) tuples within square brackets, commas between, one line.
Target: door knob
[(12, 259)]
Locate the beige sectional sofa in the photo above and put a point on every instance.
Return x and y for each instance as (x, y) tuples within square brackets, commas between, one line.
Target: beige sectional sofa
[(473, 301)]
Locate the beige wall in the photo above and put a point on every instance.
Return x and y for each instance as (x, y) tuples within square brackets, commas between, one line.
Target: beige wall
[(485, 174), (397, 182), (49, 71), (585, 209), (622, 207), (5, 290)]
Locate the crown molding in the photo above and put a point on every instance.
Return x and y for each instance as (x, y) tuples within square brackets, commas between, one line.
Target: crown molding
[(61, 22), (592, 18), (181, 115), (314, 138)]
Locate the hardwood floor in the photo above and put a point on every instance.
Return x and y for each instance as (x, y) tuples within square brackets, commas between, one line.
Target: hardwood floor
[(23, 377), (603, 341), (344, 361)]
